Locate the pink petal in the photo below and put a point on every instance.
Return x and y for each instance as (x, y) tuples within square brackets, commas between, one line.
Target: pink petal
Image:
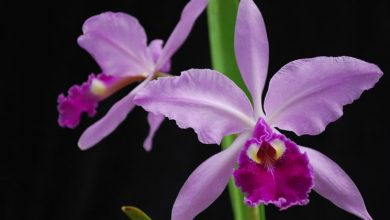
[(204, 100), (207, 182), (188, 17), (334, 184), (154, 123), (306, 95), (284, 183), (118, 43), (102, 128), (117, 113), (155, 49), (251, 47), (81, 99)]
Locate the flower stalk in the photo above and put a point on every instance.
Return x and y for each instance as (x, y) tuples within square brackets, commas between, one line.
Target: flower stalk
[(221, 22)]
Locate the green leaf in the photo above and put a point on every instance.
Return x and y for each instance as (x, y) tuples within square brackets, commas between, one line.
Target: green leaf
[(135, 213)]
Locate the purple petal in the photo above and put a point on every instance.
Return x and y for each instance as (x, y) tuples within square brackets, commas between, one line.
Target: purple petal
[(305, 95), (102, 128), (267, 177), (155, 50), (111, 120), (334, 184), (154, 122), (82, 99), (118, 43), (207, 182), (204, 100), (188, 17), (251, 47)]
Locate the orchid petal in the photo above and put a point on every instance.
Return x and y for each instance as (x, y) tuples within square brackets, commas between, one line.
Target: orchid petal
[(204, 100), (307, 94), (102, 128), (154, 123), (207, 182), (118, 43), (188, 17), (335, 185), (267, 177), (117, 113), (155, 49), (251, 47), (80, 100)]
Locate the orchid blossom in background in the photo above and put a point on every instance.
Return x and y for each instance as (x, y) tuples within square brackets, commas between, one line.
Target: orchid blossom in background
[(303, 97), (118, 43)]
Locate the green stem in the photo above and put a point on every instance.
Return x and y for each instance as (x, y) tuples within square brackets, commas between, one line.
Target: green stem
[(254, 213), (221, 19), (262, 212), (236, 197)]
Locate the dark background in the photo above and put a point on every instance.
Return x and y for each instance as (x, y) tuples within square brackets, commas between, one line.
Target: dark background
[(45, 176)]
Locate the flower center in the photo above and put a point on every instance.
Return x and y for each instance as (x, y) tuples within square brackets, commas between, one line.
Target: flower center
[(266, 153), (108, 85)]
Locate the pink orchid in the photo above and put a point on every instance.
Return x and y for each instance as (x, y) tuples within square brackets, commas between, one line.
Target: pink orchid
[(118, 43), (304, 96)]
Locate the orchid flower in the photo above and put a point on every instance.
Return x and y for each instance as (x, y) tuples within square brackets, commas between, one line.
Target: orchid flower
[(304, 96), (118, 43)]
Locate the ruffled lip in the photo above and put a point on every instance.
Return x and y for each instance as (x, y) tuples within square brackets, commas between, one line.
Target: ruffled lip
[(287, 183)]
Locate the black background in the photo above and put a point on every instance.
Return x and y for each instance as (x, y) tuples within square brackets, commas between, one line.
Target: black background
[(45, 176)]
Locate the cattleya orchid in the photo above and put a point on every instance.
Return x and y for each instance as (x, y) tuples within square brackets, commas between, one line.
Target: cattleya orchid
[(118, 43), (303, 97)]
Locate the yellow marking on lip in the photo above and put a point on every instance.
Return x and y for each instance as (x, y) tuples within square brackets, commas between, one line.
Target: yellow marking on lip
[(251, 152), (98, 88), (279, 147), (277, 144)]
